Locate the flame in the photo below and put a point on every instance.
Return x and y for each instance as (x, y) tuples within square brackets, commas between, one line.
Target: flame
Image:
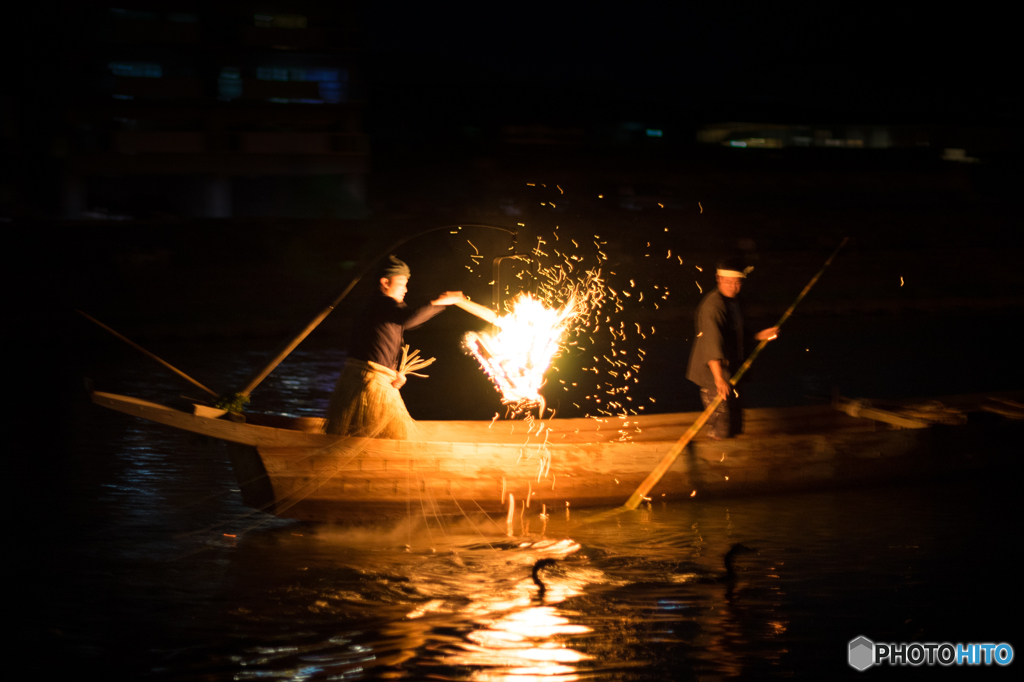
[(520, 353)]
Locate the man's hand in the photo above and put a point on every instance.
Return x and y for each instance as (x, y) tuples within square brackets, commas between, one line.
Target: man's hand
[(448, 298), (399, 382), (767, 334), (722, 384)]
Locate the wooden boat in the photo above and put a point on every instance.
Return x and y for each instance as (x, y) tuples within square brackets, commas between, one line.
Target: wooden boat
[(289, 467)]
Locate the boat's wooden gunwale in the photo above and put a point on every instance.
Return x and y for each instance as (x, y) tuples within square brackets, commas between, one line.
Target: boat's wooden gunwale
[(588, 431)]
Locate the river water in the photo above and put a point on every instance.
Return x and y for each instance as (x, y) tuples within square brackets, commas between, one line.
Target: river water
[(150, 567)]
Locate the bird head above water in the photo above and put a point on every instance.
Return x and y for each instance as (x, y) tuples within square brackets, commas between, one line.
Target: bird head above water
[(730, 556), (537, 567)]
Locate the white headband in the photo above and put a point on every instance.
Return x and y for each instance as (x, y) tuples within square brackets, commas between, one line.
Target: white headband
[(731, 273)]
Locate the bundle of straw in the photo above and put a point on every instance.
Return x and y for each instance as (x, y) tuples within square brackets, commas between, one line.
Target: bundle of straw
[(411, 362)]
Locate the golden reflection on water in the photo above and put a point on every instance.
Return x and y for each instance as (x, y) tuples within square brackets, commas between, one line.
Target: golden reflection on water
[(523, 645), (519, 636)]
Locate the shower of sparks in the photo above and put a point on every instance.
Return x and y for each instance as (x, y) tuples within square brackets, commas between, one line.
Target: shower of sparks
[(576, 321), (530, 335)]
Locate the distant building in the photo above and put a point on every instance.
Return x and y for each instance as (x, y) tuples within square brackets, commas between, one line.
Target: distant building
[(218, 112), (777, 136), (954, 142)]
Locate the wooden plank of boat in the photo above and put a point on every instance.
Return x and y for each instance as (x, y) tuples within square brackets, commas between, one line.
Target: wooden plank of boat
[(247, 434), (467, 466), (857, 408), (390, 478)]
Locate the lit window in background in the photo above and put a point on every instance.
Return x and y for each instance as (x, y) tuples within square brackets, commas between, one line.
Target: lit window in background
[(135, 15), (273, 73), (136, 69), (332, 82), (280, 21), (229, 83)]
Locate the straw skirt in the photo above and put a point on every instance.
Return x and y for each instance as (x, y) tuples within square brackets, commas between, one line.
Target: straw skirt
[(365, 403)]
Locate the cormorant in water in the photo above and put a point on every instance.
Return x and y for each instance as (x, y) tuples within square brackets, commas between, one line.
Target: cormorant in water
[(543, 563), (730, 556)]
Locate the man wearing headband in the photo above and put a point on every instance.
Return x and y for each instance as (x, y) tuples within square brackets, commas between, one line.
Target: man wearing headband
[(718, 348), (366, 401)]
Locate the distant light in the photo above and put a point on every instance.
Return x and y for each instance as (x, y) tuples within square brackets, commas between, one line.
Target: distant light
[(653, 132), (280, 20), (737, 143), (136, 69), (292, 100), (229, 83), (271, 73), (136, 15), (319, 75), (331, 92)]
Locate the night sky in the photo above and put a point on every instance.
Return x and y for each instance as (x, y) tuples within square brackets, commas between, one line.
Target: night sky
[(877, 62)]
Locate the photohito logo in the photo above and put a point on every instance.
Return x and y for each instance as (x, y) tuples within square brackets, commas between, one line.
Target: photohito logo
[(863, 653)]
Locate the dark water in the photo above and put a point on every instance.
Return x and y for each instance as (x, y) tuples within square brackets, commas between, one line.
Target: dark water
[(149, 567)]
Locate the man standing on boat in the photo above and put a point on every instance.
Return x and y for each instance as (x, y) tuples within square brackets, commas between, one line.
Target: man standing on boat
[(366, 401), (718, 348)]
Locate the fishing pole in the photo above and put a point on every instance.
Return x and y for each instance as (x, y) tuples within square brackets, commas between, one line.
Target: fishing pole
[(146, 352), (291, 345)]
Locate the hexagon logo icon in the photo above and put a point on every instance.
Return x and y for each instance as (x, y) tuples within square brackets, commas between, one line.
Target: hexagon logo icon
[(862, 653)]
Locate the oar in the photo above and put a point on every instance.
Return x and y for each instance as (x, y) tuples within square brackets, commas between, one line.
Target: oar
[(143, 350), (291, 345), (668, 460)]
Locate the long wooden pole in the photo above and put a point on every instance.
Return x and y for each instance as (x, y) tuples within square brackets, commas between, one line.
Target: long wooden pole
[(669, 459), (291, 345), (146, 352)]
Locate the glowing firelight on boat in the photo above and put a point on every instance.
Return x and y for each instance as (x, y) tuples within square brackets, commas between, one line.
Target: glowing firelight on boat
[(520, 353)]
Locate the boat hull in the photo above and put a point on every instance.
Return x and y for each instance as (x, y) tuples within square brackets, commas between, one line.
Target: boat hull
[(479, 467)]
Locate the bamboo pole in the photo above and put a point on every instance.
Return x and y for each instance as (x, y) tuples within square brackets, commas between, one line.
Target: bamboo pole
[(146, 352), (669, 459), (291, 345)]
